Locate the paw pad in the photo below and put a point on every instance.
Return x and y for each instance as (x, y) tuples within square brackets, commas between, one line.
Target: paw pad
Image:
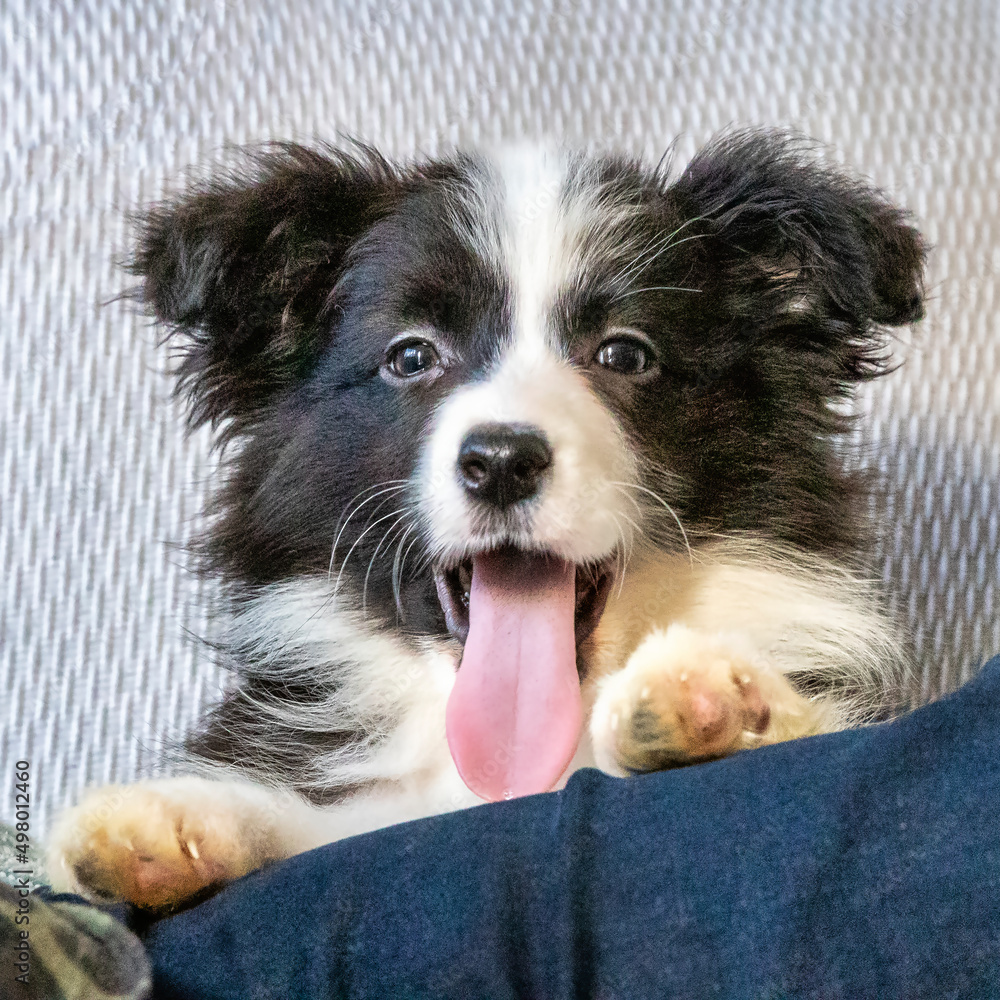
[(681, 699)]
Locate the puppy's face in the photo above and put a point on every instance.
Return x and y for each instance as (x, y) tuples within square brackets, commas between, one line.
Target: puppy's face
[(544, 358)]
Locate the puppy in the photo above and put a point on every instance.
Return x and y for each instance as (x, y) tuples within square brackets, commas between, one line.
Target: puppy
[(535, 461)]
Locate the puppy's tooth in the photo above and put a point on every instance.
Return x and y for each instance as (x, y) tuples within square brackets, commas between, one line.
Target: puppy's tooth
[(128, 844), (191, 848), (644, 693), (745, 679), (683, 677)]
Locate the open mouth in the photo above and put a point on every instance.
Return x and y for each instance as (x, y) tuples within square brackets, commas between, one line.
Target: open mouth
[(454, 590), (515, 715)]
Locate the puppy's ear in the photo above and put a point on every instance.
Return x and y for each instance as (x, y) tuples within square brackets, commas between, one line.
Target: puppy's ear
[(244, 270), (785, 233)]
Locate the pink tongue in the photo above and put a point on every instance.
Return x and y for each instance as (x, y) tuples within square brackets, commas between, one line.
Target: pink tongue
[(515, 714)]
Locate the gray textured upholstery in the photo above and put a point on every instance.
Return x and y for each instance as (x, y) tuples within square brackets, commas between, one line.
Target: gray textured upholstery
[(102, 106)]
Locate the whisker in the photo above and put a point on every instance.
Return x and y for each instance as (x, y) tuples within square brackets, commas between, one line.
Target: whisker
[(637, 263), (343, 522), (655, 249), (636, 530), (397, 567), (406, 511), (392, 486), (627, 552), (668, 508), (619, 555), (397, 584), (656, 243), (662, 250), (628, 496), (654, 288), (343, 565)]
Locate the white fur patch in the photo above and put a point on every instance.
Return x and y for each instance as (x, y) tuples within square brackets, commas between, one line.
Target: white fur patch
[(806, 615), (393, 694), (582, 512)]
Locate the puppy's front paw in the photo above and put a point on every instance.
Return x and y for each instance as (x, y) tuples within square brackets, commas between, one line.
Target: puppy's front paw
[(156, 844), (685, 697)]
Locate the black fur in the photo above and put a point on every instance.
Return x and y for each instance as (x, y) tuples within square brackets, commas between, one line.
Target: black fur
[(285, 284)]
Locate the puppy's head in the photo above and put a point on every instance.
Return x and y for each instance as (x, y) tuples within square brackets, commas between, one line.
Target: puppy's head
[(477, 384)]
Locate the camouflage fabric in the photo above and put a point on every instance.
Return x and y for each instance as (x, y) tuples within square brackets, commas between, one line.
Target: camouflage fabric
[(56, 948), (9, 853)]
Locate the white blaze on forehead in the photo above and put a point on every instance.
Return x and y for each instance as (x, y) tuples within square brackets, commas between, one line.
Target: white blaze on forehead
[(541, 241), (560, 219), (533, 236)]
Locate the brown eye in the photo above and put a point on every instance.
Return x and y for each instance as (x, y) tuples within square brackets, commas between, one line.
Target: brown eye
[(625, 355), (412, 358)]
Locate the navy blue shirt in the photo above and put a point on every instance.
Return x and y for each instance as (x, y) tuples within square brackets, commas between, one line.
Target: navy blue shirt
[(859, 864)]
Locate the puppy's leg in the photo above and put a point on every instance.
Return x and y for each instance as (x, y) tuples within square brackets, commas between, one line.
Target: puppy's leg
[(686, 696), (159, 843)]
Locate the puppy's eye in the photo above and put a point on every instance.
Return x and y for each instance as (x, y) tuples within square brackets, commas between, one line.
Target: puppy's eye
[(412, 358), (625, 355)]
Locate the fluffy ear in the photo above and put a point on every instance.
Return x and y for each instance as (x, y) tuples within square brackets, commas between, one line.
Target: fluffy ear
[(244, 269), (791, 235)]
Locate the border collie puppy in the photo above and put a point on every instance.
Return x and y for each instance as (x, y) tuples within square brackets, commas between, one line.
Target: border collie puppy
[(535, 462)]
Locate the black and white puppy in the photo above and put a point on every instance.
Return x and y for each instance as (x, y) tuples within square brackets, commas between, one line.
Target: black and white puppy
[(535, 461)]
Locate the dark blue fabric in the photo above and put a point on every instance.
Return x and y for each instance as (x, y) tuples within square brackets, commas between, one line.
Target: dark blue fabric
[(861, 864)]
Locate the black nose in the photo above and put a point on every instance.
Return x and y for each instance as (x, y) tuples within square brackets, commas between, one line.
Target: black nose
[(502, 464)]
